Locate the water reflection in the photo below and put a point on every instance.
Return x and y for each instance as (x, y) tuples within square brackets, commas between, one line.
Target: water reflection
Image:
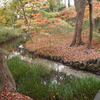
[(21, 46), (54, 81), (50, 64)]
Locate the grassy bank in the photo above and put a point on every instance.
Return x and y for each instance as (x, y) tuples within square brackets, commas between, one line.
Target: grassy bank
[(38, 82), (84, 89), (8, 32)]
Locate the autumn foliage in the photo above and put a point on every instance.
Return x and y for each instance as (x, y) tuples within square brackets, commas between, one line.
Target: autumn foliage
[(6, 95), (96, 9), (67, 14), (2, 20), (70, 13)]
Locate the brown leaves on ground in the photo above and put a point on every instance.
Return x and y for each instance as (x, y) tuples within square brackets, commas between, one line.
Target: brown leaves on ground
[(6, 95), (59, 45)]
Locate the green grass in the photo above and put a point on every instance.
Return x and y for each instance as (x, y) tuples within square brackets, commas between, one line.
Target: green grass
[(16, 42), (8, 32), (36, 81), (28, 78), (84, 89)]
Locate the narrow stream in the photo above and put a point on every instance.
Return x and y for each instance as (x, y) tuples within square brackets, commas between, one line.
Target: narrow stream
[(10, 52)]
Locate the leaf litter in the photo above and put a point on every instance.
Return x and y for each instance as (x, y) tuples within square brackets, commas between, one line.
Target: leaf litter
[(59, 45)]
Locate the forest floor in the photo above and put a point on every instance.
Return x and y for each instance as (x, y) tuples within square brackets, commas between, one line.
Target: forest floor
[(6, 95), (59, 45)]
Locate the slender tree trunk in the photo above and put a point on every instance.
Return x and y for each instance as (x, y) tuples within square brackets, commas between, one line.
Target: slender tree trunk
[(26, 20), (51, 7), (5, 74), (68, 3), (65, 2), (31, 12), (56, 5), (91, 25), (59, 3), (80, 8)]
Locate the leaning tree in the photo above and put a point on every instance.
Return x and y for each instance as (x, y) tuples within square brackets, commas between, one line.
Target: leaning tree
[(5, 74)]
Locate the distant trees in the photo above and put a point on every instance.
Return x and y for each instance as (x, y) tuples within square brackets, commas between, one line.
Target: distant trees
[(68, 3), (7, 14), (56, 5), (51, 3), (65, 2)]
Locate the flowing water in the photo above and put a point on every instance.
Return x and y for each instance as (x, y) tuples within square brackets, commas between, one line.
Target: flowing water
[(11, 51)]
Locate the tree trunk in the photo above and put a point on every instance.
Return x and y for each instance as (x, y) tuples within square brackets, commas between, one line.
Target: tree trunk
[(65, 2), (51, 3), (59, 3), (80, 8), (26, 20), (51, 6), (56, 5), (91, 25), (68, 3), (5, 75), (31, 13)]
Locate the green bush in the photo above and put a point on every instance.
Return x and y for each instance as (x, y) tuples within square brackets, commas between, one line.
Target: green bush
[(96, 35), (49, 15)]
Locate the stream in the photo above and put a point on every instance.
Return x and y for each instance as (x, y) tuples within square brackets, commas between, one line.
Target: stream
[(11, 51)]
